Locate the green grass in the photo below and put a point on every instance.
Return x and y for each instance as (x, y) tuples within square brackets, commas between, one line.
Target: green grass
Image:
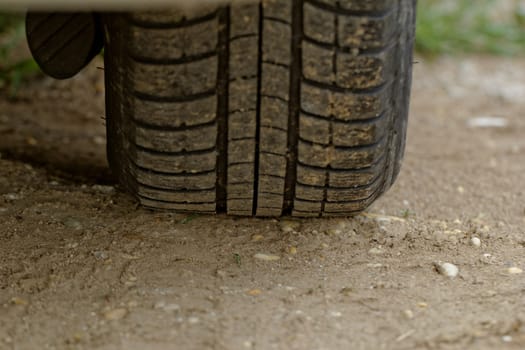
[(13, 72), (469, 26)]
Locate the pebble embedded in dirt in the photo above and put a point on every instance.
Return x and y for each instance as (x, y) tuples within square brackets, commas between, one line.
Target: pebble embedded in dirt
[(193, 320), (514, 270), (266, 257), (73, 223), (100, 255), (375, 251), (289, 226), (506, 338), (166, 307), (487, 122), (19, 301), (257, 238), (103, 189), (254, 292), (446, 269), (115, 314), (475, 241), (409, 314)]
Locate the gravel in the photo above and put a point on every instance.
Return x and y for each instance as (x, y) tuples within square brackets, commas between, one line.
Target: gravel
[(446, 269), (115, 314), (266, 257), (514, 270), (475, 241)]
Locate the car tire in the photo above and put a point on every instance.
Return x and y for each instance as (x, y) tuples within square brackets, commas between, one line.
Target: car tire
[(261, 109)]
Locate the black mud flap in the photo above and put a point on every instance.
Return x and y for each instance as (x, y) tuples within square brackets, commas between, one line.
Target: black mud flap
[(63, 43)]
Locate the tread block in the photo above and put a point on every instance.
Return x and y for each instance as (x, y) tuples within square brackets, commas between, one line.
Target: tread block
[(324, 156), (277, 9), (193, 139), (243, 94), (310, 176), (275, 81), (364, 5), (270, 200), (174, 81), (242, 124), (342, 106), (306, 206), (241, 151), (243, 58), (318, 63), (175, 196), (342, 195), (360, 134), (361, 72), (345, 179), (188, 163), (244, 19), (170, 44), (273, 140), (176, 182), (180, 207), (240, 190), (276, 42), (172, 18), (318, 24), (274, 113), (272, 164), (314, 129), (240, 206), (271, 184), (309, 193), (366, 33), (176, 114), (240, 173)]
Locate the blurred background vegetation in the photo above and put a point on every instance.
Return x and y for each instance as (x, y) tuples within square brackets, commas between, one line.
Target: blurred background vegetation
[(443, 27)]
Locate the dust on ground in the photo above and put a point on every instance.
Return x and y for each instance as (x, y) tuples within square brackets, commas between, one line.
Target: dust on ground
[(82, 267)]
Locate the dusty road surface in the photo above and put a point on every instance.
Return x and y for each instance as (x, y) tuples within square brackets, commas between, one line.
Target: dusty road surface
[(82, 267)]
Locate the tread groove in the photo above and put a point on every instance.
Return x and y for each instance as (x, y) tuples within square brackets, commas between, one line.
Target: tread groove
[(294, 104), (222, 110), (345, 122), (180, 153), (258, 112), (331, 144), (175, 99), (172, 61), (334, 88)]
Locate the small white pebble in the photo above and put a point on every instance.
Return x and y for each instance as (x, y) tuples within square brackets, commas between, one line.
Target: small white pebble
[(408, 314), (289, 226), (266, 257), (475, 241), (193, 320), (487, 122), (446, 269), (115, 314), (375, 251), (336, 314), (514, 270), (506, 338)]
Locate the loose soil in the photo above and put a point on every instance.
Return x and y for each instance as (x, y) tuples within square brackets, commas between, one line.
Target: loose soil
[(83, 267)]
